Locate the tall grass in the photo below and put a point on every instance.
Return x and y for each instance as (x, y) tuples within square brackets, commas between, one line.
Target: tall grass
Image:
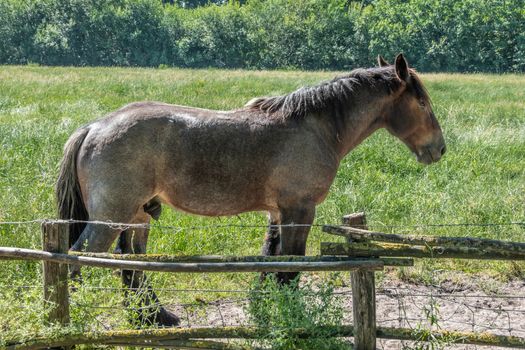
[(481, 179), (281, 309)]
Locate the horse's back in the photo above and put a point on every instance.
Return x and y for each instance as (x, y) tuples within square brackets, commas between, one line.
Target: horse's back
[(195, 159), (202, 161)]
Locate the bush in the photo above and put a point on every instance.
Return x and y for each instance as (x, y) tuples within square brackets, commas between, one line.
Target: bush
[(18, 24), (436, 35), (280, 309), (306, 34), (446, 35), (99, 32), (213, 36)]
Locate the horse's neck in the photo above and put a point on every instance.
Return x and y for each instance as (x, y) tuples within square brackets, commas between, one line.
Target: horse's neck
[(362, 119)]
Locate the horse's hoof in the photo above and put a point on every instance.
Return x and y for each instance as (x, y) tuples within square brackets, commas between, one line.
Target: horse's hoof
[(286, 278), (75, 274), (167, 318), (282, 278), (158, 318), (265, 275)]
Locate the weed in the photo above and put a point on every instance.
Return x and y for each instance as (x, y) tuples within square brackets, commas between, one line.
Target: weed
[(279, 309)]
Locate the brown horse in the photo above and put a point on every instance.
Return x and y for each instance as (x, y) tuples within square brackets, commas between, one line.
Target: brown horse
[(277, 154)]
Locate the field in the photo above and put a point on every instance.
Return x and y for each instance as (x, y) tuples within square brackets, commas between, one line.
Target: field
[(481, 179)]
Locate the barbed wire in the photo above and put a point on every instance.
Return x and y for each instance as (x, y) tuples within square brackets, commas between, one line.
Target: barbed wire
[(397, 292), (404, 317), (488, 314), (407, 314), (457, 311), (124, 226)]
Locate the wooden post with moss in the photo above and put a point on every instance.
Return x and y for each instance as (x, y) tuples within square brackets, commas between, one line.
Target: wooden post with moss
[(363, 296), (55, 239)]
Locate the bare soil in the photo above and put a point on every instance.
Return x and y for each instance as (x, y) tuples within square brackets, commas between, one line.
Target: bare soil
[(458, 306)]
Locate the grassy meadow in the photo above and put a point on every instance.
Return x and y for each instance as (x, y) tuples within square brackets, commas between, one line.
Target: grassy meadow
[(481, 179)]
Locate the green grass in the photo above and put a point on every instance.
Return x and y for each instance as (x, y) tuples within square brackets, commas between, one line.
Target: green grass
[(480, 180)]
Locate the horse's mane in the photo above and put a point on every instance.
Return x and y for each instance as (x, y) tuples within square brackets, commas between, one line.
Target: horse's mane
[(334, 93)]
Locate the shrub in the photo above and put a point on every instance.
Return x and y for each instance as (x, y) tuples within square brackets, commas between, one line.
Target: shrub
[(280, 309), (436, 35)]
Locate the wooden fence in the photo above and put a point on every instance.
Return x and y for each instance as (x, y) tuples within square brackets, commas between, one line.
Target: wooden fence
[(363, 253)]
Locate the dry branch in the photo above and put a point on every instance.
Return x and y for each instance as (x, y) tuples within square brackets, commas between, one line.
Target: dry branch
[(359, 234), (231, 259), (182, 344), (360, 249), (347, 265), (453, 337), (179, 334)]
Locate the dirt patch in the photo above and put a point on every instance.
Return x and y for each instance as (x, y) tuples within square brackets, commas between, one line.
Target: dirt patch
[(456, 306)]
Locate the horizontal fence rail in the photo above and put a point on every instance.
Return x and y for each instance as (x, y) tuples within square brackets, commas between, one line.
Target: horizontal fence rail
[(364, 243), (366, 249), (359, 234), (233, 259), (152, 337), (261, 266), (249, 225)]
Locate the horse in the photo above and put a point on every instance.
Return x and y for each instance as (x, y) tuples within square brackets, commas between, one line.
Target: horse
[(275, 154)]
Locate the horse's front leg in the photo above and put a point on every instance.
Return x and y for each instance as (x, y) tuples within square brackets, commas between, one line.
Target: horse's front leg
[(272, 239), (296, 223)]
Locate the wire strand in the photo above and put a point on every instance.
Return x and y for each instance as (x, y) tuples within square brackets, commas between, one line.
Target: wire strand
[(123, 226)]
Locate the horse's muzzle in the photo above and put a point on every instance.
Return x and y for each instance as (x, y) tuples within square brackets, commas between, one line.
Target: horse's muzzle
[(431, 153)]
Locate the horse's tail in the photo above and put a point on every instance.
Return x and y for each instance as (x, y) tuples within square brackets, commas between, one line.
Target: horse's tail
[(68, 194)]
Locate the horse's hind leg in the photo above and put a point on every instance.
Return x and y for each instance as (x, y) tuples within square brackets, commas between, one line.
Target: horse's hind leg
[(95, 238), (140, 292), (154, 209)]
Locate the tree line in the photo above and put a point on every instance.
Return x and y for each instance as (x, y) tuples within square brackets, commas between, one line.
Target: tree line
[(436, 35)]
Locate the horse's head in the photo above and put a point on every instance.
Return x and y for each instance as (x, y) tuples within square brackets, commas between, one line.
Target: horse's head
[(410, 116)]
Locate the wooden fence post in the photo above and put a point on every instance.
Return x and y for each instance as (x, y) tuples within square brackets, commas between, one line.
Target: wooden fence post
[(363, 296), (55, 239)]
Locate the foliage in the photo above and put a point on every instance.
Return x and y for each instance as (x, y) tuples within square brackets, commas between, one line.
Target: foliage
[(437, 35), (282, 308), (446, 35), (310, 34), (216, 38), (424, 330), (481, 178), (99, 32)]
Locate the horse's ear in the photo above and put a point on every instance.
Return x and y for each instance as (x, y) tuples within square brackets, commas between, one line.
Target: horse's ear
[(381, 61), (402, 68)]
